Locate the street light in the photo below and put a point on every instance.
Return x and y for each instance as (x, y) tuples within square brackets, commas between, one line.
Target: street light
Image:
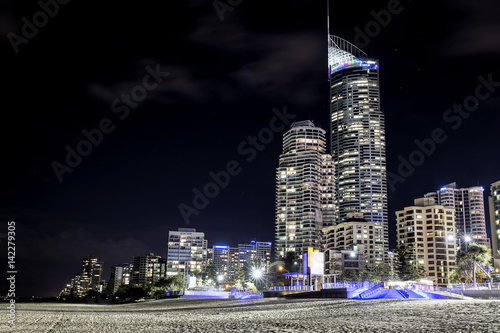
[(280, 268), (257, 275), (461, 236), (220, 278)]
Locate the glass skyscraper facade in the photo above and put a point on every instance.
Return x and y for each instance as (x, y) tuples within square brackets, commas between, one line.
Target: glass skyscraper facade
[(358, 138)]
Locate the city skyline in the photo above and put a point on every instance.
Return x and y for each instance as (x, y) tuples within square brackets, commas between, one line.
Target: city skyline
[(213, 85)]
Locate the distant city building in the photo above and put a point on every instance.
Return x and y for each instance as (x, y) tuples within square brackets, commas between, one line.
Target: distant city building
[(349, 245), (187, 250), (304, 190), (89, 278), (469, 209), (210, 256), (126, 274), (255, 252), (494, 203), (120, 276), (115, 278), (148, 269), (75, 287), (225, 260), (429, 229), (358, 138), (91, 273)]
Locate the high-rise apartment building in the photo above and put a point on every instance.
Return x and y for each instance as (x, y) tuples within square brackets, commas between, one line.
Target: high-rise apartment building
[(115, 278), (89, 277), (429, 230), (226, 260), (494, 203), (255, 253), (120, 276), (358, 138), (148, 269), (91, 273), (187, 250), (469, 209), (76, 288), (304, 191)]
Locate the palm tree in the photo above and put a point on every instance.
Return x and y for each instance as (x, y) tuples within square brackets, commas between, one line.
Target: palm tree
[(474, 260)]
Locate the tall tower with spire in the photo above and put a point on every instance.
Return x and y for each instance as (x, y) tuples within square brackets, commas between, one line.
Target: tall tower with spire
[(358, 138)]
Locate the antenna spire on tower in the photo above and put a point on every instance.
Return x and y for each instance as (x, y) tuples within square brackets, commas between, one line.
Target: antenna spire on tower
[(328, 19)]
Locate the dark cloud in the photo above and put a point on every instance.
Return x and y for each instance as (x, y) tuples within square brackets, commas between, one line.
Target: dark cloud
[(276, 60), (477, 30)]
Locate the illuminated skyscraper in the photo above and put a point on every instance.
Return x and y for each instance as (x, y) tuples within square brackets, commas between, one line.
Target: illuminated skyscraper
[(225, 259), (304, 190), (120, 276), (494, 201), (469, 209), (187, 251), (147, 269), (91, 273), (428, 231), (255, 253), (358, 138)]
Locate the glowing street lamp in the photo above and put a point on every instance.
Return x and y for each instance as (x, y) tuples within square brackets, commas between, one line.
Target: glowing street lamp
[(257, 274), (280, 268)]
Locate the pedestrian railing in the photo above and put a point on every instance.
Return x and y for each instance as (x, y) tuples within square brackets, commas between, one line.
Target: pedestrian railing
[(475, 286), (371, 291), (348, 285), (292, 288), (400, 291)]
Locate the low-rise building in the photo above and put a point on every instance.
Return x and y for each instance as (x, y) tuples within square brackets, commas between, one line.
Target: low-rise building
[(349, 245)]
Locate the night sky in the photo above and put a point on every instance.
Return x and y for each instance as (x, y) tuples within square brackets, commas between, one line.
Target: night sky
[(224, 80)]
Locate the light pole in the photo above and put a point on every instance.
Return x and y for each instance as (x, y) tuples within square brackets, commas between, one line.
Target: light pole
[(220, 278), (184, 280)]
